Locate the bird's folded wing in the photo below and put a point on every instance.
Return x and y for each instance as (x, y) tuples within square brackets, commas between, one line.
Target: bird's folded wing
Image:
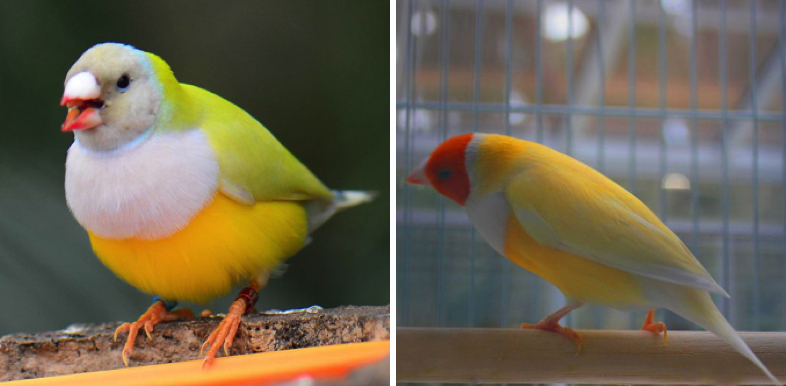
[(589, 216), (254, 165)]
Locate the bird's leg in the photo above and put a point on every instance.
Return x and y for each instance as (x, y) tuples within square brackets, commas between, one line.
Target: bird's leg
[(551, 323), (159, 311), (226, 330), (650, 325)]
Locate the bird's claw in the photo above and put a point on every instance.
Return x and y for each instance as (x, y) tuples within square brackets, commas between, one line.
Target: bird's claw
[(224, 334), (128, 347), (656, 327), (556, 327), (155, 314), (122, 328), (126, 354), (148, 329)]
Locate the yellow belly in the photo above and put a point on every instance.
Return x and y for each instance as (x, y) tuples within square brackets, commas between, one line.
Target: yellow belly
[(577, 277), (225, 244)]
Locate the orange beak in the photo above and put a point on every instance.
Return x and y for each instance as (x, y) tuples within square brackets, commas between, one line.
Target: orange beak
[(81, 116), (82, 93)]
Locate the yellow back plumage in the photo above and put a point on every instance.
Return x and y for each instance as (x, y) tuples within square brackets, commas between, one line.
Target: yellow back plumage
[(565, 204)]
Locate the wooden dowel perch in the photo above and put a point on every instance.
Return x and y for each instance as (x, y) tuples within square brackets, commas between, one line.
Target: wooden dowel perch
[(455, 355), (91, 347)]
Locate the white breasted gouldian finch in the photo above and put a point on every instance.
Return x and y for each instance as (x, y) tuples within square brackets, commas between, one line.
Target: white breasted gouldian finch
[(182, 193), (569, 224)]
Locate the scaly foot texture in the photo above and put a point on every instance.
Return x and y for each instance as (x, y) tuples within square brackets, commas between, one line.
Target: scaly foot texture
[(155, 314), (552, 326), (650, 325), (551, 323), (224, 335)]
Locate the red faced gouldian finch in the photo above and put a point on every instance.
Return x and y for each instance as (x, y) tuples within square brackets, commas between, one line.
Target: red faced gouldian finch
[(182, 193), (571, 225)]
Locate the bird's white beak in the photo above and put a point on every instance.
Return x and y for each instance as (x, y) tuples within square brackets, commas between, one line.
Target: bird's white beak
[(418, 175), (82, 86), (82, 96)]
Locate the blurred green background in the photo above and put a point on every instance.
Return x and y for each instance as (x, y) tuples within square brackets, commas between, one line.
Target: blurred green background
[(316, 74)]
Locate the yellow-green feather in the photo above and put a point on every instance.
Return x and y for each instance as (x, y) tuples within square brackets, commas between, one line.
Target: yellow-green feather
[(249, 156)]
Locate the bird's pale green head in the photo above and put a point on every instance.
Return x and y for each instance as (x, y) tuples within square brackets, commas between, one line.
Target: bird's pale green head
[(114, 94)]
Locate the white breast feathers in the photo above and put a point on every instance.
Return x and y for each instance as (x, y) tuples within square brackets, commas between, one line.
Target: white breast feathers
[(490, 216), (149, 191)]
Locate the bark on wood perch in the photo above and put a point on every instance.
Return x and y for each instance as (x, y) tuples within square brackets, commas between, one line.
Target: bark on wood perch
[(455, 355), (91, 347)]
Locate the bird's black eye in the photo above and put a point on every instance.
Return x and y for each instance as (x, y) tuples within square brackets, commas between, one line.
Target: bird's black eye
[(123, 82), (443, 174)]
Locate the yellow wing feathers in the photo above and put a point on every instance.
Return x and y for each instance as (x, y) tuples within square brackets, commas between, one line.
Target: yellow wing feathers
[(249, 156), (252, 162), (565, 204)]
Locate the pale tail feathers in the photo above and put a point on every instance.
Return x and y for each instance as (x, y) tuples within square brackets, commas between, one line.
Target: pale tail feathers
[(697, 306), (717, 324), (320, 211), (348, 198)]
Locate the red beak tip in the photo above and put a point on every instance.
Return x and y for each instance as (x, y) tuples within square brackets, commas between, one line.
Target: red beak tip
[(414, 181)]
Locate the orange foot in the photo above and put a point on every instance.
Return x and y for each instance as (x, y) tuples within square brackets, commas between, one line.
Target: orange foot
[(553, 326), (650, 325), (155, 314), (225, 333), (551, 323)]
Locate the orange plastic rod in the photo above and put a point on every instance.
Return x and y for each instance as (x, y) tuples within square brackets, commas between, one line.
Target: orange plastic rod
[(326, 362)]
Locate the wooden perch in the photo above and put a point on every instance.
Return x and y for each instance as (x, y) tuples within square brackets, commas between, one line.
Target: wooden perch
[(91, 347), (454, 355)]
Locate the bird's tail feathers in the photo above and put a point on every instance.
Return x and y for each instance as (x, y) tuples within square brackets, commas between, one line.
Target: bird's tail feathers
[(699, 308), (320, 211), (348, 198)]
